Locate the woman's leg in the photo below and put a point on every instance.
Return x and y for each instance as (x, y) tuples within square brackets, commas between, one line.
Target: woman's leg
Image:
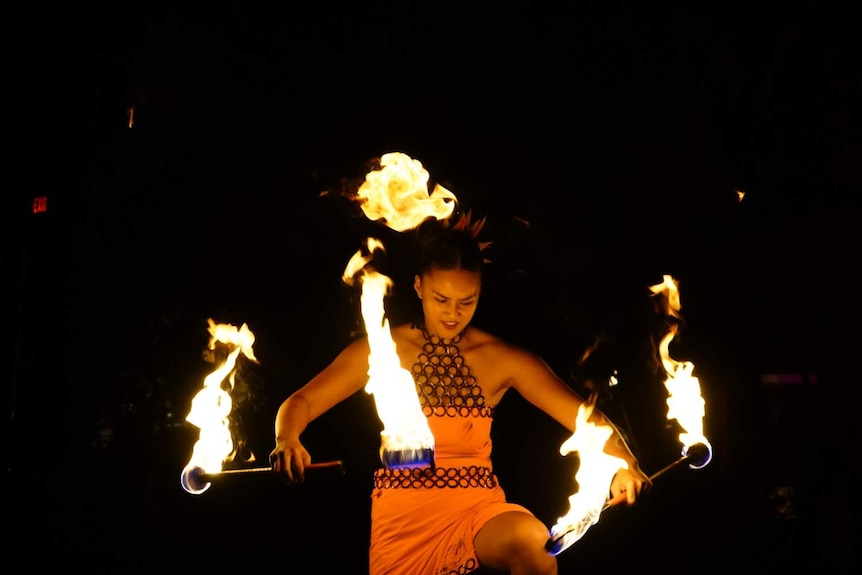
[(514, 542)]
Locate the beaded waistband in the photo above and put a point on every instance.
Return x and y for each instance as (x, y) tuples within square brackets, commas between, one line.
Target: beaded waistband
[(426, 478)]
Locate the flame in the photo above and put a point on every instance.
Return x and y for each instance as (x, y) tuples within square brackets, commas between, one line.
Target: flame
[(685, 403), (405, 427), (397, 193), (212, 405), (596, 470)]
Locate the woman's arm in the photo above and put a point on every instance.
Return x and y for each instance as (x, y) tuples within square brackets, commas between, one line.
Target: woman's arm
[(347, 374), (531, 376)]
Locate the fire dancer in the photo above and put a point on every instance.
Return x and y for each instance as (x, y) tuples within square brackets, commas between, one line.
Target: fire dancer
[(452, 516)]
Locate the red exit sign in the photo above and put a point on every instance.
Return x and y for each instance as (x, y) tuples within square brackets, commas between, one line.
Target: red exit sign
[(40, 204)]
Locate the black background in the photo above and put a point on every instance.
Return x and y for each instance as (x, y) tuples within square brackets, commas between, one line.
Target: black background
[(606, 142)]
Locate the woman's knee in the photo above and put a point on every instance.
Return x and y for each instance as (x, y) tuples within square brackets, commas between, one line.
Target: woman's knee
[(514, 538)]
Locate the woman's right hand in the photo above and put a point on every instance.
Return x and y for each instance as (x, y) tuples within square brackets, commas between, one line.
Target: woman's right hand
[(290, 458)]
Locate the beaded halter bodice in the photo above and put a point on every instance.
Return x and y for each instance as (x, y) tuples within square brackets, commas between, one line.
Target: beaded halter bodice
[(444, 381)]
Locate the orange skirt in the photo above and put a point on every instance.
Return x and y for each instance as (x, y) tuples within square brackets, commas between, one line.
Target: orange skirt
[(419, 530)]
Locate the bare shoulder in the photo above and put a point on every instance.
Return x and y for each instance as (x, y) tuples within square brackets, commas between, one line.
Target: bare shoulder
[(355, 352), (358, 345), (481, 342), (405, 330), (408, 340), (497, 363), (510, 363)]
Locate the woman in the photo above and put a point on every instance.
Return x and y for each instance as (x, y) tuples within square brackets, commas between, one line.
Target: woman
[(452, 517)]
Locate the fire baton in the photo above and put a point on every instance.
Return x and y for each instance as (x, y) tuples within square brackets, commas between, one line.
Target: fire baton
[(195, 480), (697, 456)]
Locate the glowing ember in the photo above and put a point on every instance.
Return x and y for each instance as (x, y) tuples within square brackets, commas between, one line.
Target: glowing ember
[(397, 193), (596, 470), (212, 405), (405, 427), (684, 401)]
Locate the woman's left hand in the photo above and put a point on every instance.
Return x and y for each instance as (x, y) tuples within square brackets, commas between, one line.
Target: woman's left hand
[(628, 484)]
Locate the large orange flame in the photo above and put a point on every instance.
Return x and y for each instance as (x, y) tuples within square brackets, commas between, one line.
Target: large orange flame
[(398, 195), (596, 470), (212, 405), (405, 427), (685, 403)]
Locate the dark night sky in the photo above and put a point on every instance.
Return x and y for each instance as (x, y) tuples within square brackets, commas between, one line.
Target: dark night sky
[(620, 132)]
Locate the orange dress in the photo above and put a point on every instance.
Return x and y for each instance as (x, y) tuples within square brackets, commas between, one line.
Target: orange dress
[(424, 520)]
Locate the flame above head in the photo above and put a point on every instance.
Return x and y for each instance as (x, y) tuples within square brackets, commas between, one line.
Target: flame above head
[(685, 403), (398, 195), (596, 470), (405, 427), (212, 405)]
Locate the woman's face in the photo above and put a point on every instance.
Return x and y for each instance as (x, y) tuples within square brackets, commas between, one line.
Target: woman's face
[(449, 299)]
